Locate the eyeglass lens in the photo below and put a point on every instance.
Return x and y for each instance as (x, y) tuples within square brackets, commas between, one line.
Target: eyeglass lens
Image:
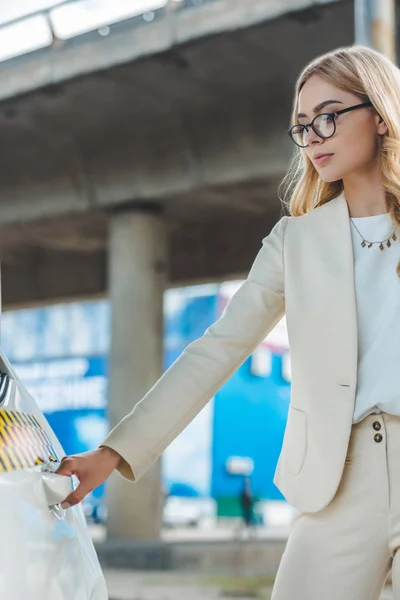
[(324, 126)]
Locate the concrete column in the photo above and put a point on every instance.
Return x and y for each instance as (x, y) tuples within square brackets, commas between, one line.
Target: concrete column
[(375, 25), (384, 27), (137, 279)]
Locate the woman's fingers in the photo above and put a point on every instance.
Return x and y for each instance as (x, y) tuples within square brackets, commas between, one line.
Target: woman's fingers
[(91, 468)]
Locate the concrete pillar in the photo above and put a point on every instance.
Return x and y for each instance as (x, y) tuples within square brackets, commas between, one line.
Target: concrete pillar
[(137, 279), (383, 29), (375, 25)]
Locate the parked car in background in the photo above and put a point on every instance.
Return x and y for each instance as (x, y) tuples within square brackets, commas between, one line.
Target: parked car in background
[(182, 512)]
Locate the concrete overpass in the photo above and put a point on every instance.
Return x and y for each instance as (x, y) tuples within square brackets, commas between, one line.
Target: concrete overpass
[(186, 115), (149, 158)]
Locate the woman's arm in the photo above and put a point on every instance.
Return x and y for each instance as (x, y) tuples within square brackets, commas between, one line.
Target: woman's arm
[(205, 365), (192, 380)]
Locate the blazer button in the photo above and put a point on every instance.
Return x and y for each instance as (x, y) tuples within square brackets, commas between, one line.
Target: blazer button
[(376, 425), (378, 437)]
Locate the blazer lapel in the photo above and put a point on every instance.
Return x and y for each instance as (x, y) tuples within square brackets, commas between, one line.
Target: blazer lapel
[(334, 227)]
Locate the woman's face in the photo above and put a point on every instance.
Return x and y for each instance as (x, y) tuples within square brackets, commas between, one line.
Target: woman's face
[(354, 147)]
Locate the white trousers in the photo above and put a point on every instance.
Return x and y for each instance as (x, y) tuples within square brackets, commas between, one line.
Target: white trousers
[(345, 551)]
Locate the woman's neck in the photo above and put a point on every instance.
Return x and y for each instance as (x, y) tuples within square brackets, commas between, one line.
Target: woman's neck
[(366, 203)]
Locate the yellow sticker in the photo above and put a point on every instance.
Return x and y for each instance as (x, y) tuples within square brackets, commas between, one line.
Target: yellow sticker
[(23, 442)]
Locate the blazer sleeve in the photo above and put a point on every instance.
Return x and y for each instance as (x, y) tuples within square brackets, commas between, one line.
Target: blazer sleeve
[(206, 364)]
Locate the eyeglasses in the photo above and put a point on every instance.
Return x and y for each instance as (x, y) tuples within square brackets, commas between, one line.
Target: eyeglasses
[(324, 125)]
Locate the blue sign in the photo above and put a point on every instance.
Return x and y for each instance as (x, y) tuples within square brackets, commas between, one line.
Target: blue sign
[(72, 393)]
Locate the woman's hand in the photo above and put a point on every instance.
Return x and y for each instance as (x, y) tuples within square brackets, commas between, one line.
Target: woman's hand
[(91, 468)]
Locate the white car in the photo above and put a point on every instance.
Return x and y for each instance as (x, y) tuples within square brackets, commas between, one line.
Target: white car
[(46, 553)]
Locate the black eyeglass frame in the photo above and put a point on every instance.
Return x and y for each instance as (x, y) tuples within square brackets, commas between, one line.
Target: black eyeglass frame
[(333, 115)]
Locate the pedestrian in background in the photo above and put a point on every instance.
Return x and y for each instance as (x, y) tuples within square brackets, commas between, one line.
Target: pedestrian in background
[(332, 266), (246, 500)]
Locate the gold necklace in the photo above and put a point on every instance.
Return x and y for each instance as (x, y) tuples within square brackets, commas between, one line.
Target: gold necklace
[(387, 242), (368, 244)]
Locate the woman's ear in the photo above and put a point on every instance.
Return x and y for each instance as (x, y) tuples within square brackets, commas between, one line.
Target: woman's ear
[(382, 127)]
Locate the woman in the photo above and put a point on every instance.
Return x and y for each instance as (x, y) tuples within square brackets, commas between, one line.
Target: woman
[(333, 268)]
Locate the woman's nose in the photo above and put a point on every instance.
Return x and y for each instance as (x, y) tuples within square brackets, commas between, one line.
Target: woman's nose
[(311, 137)]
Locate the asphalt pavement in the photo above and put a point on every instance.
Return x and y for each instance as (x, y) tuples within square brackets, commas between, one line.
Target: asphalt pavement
[(126, 584)]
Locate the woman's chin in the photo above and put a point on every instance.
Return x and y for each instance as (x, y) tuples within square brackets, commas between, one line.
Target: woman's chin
[(329, 177)]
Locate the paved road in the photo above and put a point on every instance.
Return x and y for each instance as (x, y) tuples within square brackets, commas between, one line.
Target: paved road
[(125, 585), (171, 585), (129, 585)]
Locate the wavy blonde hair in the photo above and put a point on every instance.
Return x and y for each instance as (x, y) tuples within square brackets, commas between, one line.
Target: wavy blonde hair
[(371, 76)]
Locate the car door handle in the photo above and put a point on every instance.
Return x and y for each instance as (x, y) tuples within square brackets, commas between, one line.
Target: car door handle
[(56, 487), (4, 384)]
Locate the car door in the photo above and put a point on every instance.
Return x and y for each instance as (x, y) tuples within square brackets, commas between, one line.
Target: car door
[(46, 553)]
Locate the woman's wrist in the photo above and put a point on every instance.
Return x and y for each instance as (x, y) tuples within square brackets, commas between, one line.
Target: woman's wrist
[(111, 454)]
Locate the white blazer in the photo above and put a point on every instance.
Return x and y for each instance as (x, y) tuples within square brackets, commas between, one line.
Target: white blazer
[(304, 268)]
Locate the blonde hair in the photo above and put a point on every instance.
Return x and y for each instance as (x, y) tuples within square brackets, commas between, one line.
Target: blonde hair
[(371, 76)]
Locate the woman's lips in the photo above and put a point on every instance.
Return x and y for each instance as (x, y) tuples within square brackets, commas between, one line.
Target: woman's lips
[(321, 160)]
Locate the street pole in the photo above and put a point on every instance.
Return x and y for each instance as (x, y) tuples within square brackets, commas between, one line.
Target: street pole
[(375, 25)]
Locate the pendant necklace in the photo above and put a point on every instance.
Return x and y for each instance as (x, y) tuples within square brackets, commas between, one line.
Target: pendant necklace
[(382, 244)]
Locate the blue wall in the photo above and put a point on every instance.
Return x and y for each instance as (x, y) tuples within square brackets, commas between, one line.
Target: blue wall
[(249, 421)]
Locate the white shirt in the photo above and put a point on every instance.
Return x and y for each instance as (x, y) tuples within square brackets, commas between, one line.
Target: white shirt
[(377, 288)]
